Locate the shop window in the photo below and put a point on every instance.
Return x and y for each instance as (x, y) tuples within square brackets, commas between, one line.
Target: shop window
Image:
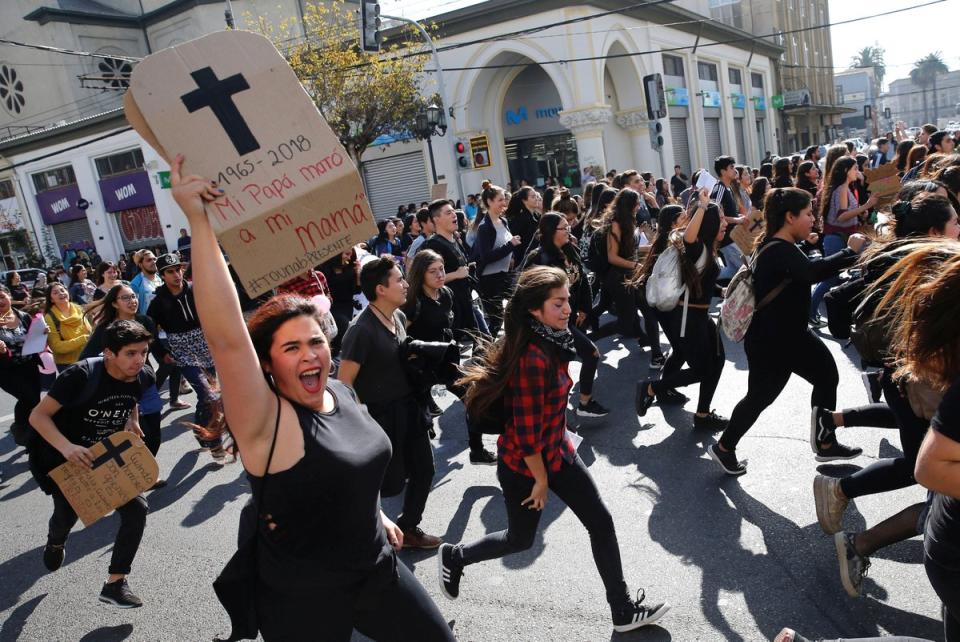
[(707, 71), (756, 81), (121, 163), (735, 77), (672, 66), (54, 178), (6, 189)]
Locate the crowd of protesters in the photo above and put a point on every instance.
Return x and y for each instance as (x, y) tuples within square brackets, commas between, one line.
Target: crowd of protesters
[(324, 386)]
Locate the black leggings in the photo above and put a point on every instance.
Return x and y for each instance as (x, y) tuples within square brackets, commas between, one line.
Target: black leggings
[(874, 415), (589, 356), (133, 519), (494, 288), (401, 611), (771, 365), (891, 474), (946, 582), (701, 348), (624, 305), (575, 488)]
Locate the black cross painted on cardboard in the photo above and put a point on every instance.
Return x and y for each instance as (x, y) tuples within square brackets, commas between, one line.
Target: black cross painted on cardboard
[(217, 94), (113, 452), (757, 223)]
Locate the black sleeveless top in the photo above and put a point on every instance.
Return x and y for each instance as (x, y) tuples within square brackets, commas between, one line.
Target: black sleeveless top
[(327, 506)]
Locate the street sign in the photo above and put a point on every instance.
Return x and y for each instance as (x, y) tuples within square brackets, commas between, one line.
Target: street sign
[(164, 179), (480, 151), (777, 101)]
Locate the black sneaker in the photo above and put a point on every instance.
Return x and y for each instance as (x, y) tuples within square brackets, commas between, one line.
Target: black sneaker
[(450, 572), (119, 594), (711, 421), (822, 427), (433, 409), (835, 451), (592, 409), (643, 399), (483, 457), (636, 615), (657, 362), (53, 555), (727, 460), (672, 397)]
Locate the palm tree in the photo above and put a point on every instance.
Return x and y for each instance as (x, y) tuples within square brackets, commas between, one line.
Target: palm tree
[(871, 57), (924, 74)]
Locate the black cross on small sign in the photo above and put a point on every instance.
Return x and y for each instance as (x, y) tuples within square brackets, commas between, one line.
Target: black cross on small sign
[(217, 94), (113, 452), (757, 222)]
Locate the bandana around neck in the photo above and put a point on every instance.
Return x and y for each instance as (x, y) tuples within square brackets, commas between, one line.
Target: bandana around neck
[(561, 339)]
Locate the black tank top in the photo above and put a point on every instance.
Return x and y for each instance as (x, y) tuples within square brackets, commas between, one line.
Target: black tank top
[(327, 506)]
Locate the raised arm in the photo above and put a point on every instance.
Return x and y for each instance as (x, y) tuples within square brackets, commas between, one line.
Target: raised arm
[(247, 400), (693, 227)]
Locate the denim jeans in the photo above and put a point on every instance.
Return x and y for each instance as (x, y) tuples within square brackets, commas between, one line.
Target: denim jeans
[(732, 260), (199, 378), (832, 243)]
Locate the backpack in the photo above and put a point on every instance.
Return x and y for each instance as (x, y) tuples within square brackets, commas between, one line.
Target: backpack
[(740, 304), (870, 335), (664, 287), (95, 370), (597, 259)]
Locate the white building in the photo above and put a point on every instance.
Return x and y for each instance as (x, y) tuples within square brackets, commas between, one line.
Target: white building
[(548, 103)]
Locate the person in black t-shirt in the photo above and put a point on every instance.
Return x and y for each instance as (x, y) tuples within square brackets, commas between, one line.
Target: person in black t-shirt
[(371, 364), (429, 313), (726, 194), (467, 319), (69, 429), (689, 327)]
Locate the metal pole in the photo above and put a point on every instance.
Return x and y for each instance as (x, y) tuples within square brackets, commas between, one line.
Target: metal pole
[(433, 164), (228, 15), (443, 97)]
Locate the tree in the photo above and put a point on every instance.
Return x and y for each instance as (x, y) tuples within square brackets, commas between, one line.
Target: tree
[(924, 74), (361, 95), (871, 57)]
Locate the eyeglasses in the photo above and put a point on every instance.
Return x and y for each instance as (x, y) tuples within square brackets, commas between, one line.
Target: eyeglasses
[(564, 229), (127, 297)]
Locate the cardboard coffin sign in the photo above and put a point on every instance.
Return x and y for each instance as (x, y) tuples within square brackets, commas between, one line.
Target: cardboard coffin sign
[(122, 469), (746, 235), (231, 104)]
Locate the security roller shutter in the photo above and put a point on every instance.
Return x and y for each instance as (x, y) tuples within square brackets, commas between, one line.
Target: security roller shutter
[(711, 130), (76, 231), (394, 181), (741, 141), (681, 145)]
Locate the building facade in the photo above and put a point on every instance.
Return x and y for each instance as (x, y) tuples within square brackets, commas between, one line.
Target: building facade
[(857, 89), (916, 105)]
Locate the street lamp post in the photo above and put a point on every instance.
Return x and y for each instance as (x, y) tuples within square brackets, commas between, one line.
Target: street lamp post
[(431, 122)]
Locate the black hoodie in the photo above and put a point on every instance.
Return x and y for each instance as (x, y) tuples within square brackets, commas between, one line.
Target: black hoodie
[(174, 314)]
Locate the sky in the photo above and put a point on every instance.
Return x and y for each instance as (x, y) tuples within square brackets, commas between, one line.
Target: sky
[(905, 36)]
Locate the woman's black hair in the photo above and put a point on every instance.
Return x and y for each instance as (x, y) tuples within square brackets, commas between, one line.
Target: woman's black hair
[(803, 181), (515, 206), (102, 312), (759, 191), (707, 234), (74, 271), (780, 202), (623, 212), (903, 153), (102, 269), (766, 171), (9, 278), (782, 173), (922, 212), (546, 229), (836, 180)]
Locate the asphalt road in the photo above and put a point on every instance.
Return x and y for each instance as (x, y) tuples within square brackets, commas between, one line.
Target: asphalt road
[(738, 558)]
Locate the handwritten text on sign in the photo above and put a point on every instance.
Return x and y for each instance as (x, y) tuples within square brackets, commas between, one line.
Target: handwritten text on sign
[(231, 104)]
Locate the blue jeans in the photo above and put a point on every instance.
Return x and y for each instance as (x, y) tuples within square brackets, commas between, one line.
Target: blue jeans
[(732, 260), (198, 378), (832, 243)]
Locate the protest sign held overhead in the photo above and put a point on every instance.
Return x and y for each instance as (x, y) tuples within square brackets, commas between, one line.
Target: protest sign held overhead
[(122, 469), (230, 103)]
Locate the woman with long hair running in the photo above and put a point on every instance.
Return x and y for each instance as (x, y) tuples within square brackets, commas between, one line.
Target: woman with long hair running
[(778, 342), (688, 326), (325, 552), (839, 213), (556, 250), (526, 371)]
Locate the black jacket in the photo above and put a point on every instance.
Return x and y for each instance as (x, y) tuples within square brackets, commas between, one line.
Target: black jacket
[(581, 295), (483, 251), (523, 225), (174, 314)]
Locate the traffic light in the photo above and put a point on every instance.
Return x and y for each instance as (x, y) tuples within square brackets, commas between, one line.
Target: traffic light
[(461, 148), (656, 135), (886, 113), (656, 101), (370, 26)]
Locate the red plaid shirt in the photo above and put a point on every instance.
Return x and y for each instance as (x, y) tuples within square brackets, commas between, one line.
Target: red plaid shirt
[(308, 285), (537, 413)]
